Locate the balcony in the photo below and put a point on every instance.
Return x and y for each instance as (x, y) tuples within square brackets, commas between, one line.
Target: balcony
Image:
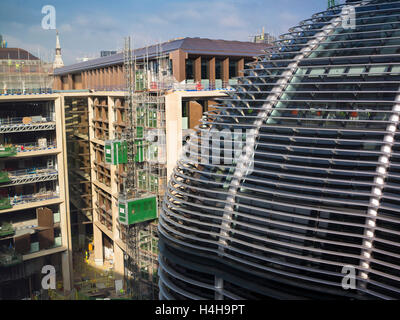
[(36, 123), (35, 146), (8, 203), (33, 175), (9, 151)]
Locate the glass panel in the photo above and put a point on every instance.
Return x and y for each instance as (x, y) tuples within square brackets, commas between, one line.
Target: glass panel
[(356, 71), (377, 69), (336, 71), (315, 72), (301, 71), (395, 69), (189, 69)]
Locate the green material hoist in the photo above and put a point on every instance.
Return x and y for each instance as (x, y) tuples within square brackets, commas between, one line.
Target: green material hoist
[(331, 3)]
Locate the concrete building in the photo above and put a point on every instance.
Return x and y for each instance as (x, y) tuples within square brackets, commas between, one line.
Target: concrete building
[(183, 78), (34, 202)]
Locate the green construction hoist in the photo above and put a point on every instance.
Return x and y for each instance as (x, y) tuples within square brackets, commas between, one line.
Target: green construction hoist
[(331, 3)]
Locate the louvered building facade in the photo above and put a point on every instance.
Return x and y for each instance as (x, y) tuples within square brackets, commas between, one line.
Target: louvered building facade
[(324, 192)]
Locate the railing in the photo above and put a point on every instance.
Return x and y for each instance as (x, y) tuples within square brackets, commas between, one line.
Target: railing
[(20, 120), (41, 196), (32, 171), (26, 91), (187, 85), (34, 146)]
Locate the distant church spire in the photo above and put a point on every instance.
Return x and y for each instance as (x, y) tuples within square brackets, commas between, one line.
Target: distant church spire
[(58, 62)]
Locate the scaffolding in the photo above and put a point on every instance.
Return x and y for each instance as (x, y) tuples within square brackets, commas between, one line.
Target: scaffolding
[(141, 149), (25, 74), (32, 175)]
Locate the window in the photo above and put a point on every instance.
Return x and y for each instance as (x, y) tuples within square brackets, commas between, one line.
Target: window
[(204, 69), (395, 69), (377, 70), (185, 115), (315, 72), (336, 71), (232, 69), (356, 71), (218, 69), (189, 69)]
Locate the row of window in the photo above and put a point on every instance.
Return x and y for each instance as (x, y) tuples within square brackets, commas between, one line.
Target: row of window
[(205, 74)]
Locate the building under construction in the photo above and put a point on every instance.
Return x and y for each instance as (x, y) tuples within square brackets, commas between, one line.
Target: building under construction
[(127, 116), (85, 156), (34, 214)]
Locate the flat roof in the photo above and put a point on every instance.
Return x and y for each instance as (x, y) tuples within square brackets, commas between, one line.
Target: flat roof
[(198, 46)]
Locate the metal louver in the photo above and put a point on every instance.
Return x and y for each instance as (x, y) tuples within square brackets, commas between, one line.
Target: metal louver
[(324, 107)]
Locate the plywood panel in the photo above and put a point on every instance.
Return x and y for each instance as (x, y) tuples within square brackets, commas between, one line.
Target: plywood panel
[(22, 243), (46, 238), (45, 217)]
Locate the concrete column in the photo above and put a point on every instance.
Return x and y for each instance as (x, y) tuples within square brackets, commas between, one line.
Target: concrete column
[(65, 222), (178, 58), (240, 67), (98, 246), (119, 268), (225, 70), (197, 69), (211, 71), (173, 117), (66, 269)]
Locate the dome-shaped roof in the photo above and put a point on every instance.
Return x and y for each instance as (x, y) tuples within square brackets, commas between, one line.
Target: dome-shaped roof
[(313, 197)]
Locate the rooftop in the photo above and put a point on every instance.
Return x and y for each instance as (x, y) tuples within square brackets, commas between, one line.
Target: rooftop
[(190, 45), (16, 54)]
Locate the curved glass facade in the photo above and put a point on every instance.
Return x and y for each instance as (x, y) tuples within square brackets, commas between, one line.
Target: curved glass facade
[(324, 192)]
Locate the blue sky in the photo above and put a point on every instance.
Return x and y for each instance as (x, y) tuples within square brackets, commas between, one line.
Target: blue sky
[(88, 26)]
